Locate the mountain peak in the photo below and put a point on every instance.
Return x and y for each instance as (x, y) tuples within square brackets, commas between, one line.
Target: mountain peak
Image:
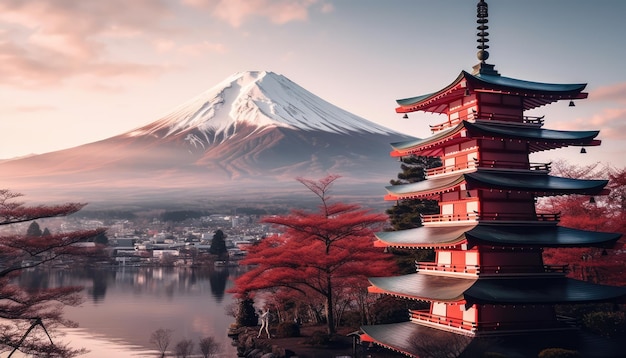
[(260, 99)]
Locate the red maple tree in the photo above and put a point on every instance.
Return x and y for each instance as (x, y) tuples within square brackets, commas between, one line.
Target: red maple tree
[(600, 213), (27, 316), (324, 253)]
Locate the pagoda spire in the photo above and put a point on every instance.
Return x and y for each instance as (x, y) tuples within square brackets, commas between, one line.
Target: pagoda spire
[(482, 12)]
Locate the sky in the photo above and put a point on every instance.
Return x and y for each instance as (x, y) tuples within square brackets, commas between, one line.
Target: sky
[(75, 72)]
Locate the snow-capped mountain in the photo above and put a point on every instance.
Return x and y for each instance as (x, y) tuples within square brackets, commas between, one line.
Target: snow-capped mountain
[(249, 136)]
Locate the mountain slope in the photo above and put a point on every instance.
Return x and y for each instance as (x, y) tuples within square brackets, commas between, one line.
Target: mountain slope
[(249, 136)]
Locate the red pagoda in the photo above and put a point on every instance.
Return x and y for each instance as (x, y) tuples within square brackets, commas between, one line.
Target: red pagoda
[(489, 286)]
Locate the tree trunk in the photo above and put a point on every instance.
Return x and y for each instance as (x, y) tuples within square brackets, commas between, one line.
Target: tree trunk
[(330, 314)]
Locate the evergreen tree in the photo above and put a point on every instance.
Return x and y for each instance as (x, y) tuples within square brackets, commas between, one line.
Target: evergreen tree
[(405, 214), (33, 230), (46, 232), (247, 316), (218, 244)]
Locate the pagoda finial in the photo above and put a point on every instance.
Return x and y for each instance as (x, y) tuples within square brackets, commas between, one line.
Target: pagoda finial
[(482, 10)]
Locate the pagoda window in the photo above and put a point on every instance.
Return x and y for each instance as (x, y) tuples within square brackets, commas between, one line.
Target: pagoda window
[(447, 209), (471, 206), (444, 258), (439, 309), (469, 315)]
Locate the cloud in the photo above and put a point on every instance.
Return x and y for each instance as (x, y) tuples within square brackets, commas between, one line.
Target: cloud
[(200, 48), (236, 12), (616, 92), (45, 42), (612, 123)]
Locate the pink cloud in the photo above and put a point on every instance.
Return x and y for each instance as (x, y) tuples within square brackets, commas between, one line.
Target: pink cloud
[(49, 41), (236, 12), (616, 92)]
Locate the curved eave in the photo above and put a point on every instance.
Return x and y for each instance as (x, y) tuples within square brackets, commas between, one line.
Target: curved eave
[(540, 184), (538, 139), (429, 145), (424, 237), (412, 339), (538, 236), (435, 102), (424, 189), (535, 94), (422, 287), (540, 291)]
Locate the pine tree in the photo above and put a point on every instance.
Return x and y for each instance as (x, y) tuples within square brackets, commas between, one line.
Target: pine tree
[(406, 214), (218, 244)]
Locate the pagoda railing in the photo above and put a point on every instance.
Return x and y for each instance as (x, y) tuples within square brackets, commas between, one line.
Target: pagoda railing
[(487, 216), (440, 218), (433, 266), (503, 164), (450, 168), (495, 216), (488, 326), (492, 269), (499, 164), (488, 116), (426, 316)]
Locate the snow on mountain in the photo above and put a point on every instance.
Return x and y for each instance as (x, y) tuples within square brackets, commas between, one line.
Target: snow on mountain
[(246, 138), (260, 99)]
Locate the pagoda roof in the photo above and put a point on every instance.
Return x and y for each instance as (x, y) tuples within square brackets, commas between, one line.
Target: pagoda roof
[(534, 94), (538, 183), (502, 290), (527, 234), (538, 139), (539, 235), (407, 337), (414, 339), (533, 290), (423, 287), (425, 236)]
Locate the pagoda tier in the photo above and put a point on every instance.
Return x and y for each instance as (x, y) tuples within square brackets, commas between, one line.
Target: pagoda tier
[(469, 131), (525, 95), (495, 235), (417, 340), (537, 184), (502, 290)]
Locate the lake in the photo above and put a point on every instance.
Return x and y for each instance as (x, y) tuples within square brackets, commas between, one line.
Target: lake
[(124, 305)]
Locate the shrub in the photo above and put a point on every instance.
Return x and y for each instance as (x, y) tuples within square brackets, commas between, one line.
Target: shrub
[(319, 338), (288, 329), (608, 324), (558, 353)]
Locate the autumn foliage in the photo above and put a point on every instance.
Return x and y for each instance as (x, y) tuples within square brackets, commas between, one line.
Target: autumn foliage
[(605, 213), (28, 317), (325, 255)]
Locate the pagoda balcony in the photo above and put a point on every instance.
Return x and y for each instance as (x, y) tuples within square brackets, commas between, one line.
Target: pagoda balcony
[(488, 116), (449, 218), (444, 219), (489, 327), (486, 270), (552, 218), (425, 317), (433, 266), (488, 164)]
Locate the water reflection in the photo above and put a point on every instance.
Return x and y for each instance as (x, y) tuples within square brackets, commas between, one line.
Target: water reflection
[(126, 304)]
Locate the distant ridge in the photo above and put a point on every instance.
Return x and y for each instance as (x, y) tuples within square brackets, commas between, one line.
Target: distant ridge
[(246, 138)]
